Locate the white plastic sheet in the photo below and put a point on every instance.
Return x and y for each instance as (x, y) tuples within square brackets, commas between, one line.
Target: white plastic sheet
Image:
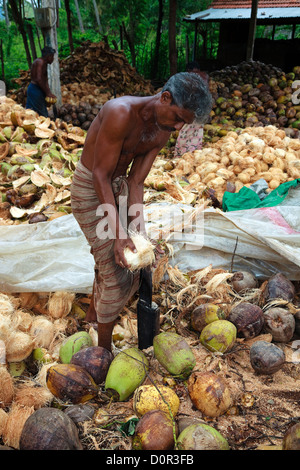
[(51, 256)]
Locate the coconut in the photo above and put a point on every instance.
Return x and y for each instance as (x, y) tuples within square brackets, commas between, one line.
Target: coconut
[(6, 387), (73, 344), (144, 255), (71, 383), (201, 436), (280, 323), (154, 431), (17, 417), (16, 369), (126, 372), (205, 314), (155, 397), (243, 281), (95, 360), (291, 438), (42, 331), (248, 319), (209, 393), (279, 287), (49, 429), (19, 346), (60, 304), (32, 395), (174, 354), (266, 358), (219, 336)]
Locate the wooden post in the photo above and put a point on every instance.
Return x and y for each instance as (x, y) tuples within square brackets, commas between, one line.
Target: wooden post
[(252, 30), (50, 37)]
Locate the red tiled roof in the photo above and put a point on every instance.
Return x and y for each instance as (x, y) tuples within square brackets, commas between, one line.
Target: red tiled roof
[(228, 4)]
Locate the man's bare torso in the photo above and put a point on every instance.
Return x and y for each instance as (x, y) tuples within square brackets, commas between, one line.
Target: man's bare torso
[(38, 71), (142, 135)]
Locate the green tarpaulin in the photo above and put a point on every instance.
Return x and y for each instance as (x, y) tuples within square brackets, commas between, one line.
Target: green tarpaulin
[(246, 198)]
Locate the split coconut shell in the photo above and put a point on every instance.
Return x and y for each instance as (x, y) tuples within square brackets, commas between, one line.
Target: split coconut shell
[(49, 429), (71, 383), (174, 354), (209, 393), (95, 360), (126, 372)]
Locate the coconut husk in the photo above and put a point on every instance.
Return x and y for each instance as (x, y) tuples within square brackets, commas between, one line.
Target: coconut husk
[(19, 346), (42, 332), (3, 420), (32, 395), (60, 304), (6, 305), (6, 387), (17, 417), (21, 320)]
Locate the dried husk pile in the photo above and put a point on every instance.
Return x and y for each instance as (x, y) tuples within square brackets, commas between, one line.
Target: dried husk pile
[(37, 160), (238, 159), (257, 409), (91, 75)]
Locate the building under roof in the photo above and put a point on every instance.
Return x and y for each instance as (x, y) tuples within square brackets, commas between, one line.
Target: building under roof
[(233, 19)]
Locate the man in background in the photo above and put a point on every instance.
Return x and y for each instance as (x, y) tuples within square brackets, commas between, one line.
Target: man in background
[(38, 89)]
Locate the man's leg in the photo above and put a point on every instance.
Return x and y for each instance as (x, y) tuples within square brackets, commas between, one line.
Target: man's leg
[(105, 335), (91, 315)]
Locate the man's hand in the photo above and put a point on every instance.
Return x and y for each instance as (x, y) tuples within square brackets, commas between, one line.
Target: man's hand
[(119, 246)]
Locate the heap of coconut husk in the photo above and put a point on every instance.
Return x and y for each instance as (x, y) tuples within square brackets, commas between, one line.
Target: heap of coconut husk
[(93, 68)]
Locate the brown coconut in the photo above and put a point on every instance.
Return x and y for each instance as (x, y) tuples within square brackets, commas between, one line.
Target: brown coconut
[(7, 389), (17, 417), (155, 431), (60, 304), (209, 393), (49, 429), (95, 360)]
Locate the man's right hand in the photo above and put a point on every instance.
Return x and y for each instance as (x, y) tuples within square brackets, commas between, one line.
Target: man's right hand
[(119, 246)]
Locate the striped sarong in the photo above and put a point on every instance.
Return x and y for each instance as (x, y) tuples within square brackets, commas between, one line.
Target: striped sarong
[(113, 285)]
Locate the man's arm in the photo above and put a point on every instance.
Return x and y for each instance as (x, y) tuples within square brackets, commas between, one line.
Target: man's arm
[(140, 169), (115, 126)]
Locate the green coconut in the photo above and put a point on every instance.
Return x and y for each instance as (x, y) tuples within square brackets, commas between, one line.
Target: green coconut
[(201, 437), (174, 354), (219, 336), (73, 344), (126, 372), (205, 314)]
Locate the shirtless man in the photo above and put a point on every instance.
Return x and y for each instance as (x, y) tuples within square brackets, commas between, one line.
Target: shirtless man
[(38, 89), (120, 148)]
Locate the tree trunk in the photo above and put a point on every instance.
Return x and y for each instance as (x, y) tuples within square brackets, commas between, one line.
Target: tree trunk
[(68, 11), (6, 13), (51, 40), (130, 44), (172, 36), (97, 17), (157, 40), (79, 16), (31, 40), (19, 22)]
